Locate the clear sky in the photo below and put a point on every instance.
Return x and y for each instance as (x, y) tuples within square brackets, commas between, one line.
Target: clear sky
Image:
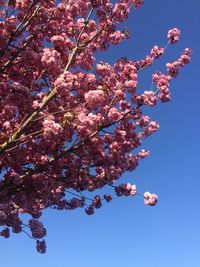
[(125, 232)]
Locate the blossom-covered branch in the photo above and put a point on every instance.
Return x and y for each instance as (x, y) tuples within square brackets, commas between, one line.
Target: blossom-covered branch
[(70, 124)]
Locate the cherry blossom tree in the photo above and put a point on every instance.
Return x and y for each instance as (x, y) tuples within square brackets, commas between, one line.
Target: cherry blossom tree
[(70, 124)]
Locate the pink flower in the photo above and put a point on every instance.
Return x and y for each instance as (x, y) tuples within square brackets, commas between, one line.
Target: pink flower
[(156, 52), (143, 154), (137, 3), (173, 68), (5, 232), (121, 11), (35, 104), (6, 125), (95, 98), (150, 199), (57, 40), (113, 114), (173, 35), (125, 190), (149, 98), (103, 68), (155, 77), (183, 60), (117, 37), (107, 197), (65, 82), (76, 203), (153, 126), (51, 59), (37, 229), (89, 210), (97, 202), (164, 97), (41, 246), (187, 52), (51, 127), (133, 190), (144, 121)]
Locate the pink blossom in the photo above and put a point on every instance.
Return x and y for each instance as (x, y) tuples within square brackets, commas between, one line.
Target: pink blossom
[(113, 114), (149, 98), (150, 199), (95, 98), (57, 40), (173, 68), (121, 11), (6, 125), (103, 68), (137, 3), (76, 203), (173, 35), (155, 77), (107, 197), (51, 127), (35, 104), (41, 246), (5, 232), (117, 37), (143, 154), (65, 82), (184, 59), (164, 97), (133, 190), (51, 59), (131, 84), (187, 52), (143, 121), (89, 210), (156, 52), (153, 126), (97, 202), (37, 229), (125, 190)]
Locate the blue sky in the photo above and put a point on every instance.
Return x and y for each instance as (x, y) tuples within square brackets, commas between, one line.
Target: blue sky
[(125, 232)]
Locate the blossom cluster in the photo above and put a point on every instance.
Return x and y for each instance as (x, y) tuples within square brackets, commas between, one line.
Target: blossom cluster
[(150, 199), (37, 229), (125, 190), (71, 124)]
